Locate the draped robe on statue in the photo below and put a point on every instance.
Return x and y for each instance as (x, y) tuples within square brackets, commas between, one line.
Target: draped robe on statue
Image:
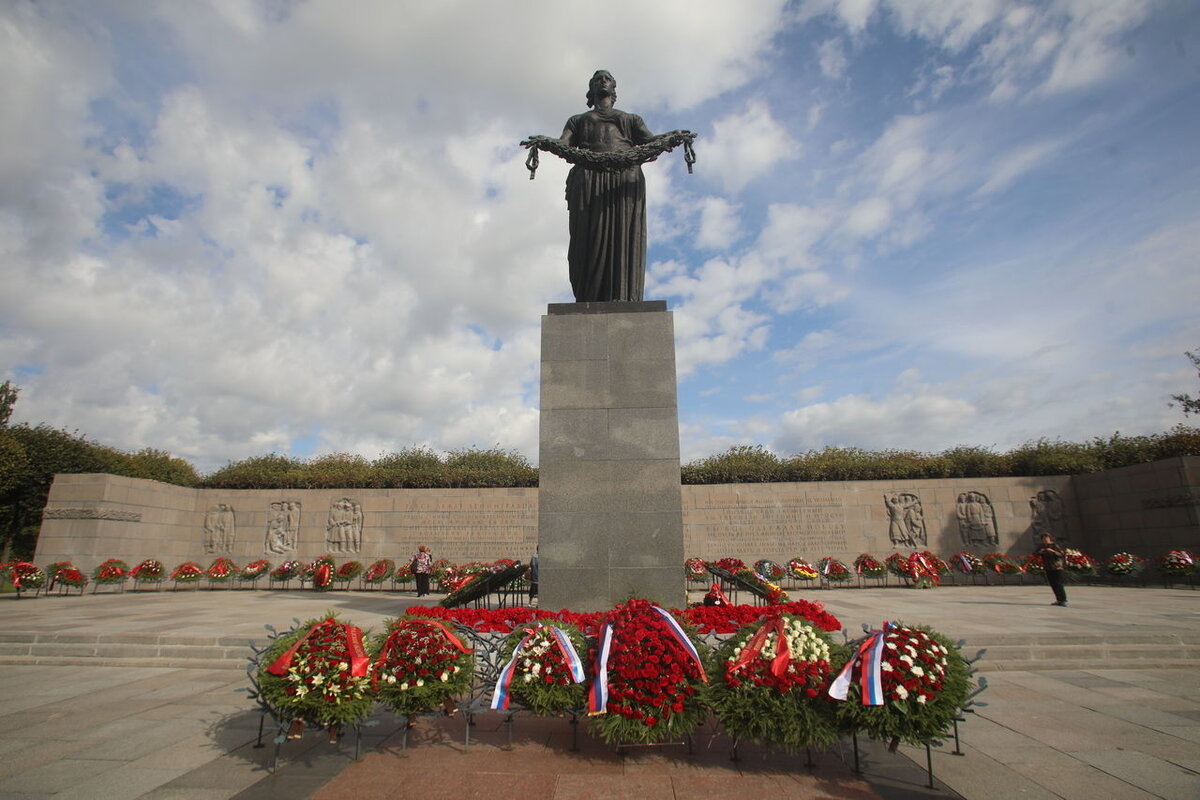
[(607, 253)]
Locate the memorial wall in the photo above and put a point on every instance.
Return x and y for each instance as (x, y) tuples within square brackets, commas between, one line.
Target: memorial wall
[(1145, 509)]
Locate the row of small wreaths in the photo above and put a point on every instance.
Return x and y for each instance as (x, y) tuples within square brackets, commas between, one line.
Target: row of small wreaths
[(613, 161), (780, 680)]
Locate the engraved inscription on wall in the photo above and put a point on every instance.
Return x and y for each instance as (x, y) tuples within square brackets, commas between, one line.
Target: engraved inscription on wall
[(811, 523), (92, 513), (220, 528)]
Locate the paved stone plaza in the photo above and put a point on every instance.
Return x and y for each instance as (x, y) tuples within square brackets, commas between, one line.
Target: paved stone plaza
[(137, 696)]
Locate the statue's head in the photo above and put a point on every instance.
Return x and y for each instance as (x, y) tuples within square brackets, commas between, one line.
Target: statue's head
[(602, 83)]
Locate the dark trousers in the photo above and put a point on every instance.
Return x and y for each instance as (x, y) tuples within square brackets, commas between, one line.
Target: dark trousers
[(1054, 577), (422, 584)]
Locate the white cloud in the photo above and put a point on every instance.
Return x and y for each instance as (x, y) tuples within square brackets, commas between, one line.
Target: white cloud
[(719, 224), (831, 57), (746, 145), (904, 421)]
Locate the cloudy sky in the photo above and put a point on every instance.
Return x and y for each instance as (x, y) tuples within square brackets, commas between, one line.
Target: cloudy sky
[(230, 228)]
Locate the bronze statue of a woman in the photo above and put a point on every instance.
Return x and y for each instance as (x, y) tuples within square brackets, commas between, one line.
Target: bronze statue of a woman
[(606, 192)]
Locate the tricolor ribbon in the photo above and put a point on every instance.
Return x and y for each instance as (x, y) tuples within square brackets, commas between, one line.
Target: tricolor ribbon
[(385, 652), (967, 566), (869, 660), (827, 567), (501, 695), (352, 637), (758, 641), (680, 636), (598, 696)]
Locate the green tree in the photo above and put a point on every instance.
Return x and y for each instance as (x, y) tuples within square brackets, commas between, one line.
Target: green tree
[(8, 399), (47, 451), (1189, 404)]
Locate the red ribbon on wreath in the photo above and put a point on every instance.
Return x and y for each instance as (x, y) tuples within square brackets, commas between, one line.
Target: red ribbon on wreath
[(385, 652), (352, 638), (758, 641)]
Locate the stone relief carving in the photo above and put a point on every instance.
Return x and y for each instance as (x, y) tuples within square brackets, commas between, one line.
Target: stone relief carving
[(343, 530), (283, 526), (92, 513), (906, 519), (220, 528), (977, 520), (1047, 514)]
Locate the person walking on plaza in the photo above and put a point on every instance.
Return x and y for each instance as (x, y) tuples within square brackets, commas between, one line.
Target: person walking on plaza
[(1054, 561), (422, 566)]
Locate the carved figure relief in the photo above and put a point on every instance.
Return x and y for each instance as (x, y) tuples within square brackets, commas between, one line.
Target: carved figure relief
[(906, 519), (977, 520), (283, 526), (343, 531), (1047, 514), (220, 528)]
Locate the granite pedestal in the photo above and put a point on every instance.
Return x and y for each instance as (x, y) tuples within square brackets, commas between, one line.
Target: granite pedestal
[(610, 523)]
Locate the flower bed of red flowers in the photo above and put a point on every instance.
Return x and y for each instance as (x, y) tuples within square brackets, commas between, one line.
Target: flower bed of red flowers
[(705, 619), (654, 680)]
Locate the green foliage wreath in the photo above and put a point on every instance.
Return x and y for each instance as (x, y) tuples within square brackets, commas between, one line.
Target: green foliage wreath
[(542, 680), (926, 681), (771, 697), (317, 684)]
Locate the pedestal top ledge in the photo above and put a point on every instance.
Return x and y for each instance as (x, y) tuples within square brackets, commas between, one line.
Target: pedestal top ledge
[(614, 307)]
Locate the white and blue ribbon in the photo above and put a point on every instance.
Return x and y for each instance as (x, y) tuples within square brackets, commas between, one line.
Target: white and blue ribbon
[(501, 695), (870, 658), (598, 696), (682, 637)]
